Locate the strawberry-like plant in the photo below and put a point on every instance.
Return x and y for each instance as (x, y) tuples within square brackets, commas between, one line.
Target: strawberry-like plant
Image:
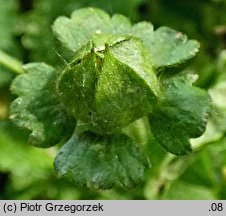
[(116, 79)]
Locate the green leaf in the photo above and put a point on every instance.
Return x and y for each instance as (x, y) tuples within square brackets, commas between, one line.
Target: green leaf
[(120, 24), (84, 23), (87, 23), (180, 115), (69, 34), (102, 162), (108, 86), (166, 46), (93, 18), (143, 30), (37, 107)]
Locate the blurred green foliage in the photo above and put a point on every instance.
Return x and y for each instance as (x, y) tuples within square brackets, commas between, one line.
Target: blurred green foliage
[(25, 33)]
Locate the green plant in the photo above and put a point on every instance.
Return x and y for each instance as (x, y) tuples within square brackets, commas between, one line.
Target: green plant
[(113, 96)]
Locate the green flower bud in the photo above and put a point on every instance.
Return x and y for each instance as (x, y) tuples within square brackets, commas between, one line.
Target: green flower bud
[(109, 84)]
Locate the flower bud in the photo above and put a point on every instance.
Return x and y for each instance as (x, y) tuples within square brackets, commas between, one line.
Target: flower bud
[(109, 84)]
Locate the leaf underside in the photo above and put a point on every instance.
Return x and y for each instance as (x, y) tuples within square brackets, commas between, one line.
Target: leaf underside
[(181, 115), (168, 47), (37, 107), (101, 162)]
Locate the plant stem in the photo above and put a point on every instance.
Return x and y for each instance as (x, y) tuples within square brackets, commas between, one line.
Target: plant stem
[(139, 131), (11, 63)]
